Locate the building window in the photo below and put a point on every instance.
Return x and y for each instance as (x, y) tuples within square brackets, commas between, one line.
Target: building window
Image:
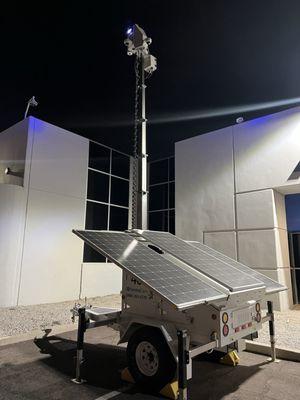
[(294, 245), (162, 195), (107, 203)]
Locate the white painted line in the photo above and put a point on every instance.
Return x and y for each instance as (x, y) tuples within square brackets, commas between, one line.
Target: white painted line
[(109, 395), (115, 393)]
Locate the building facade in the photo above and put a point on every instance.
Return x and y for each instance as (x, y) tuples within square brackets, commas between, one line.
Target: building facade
[(230, 192), (52, 181)]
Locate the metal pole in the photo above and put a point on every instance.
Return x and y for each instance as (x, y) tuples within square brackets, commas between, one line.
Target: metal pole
[(272, 330), (142, 195), (27, 109), (182, 364), (80, 341)]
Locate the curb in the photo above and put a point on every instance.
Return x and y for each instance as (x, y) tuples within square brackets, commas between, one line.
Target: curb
[(283, 353), (54, 330)]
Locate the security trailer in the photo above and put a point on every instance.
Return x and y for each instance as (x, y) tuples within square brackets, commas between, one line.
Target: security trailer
[(179, 299)]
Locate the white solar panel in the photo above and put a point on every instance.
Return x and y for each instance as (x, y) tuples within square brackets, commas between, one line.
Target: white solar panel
[(179, 286), (221, 271), (271, 285)]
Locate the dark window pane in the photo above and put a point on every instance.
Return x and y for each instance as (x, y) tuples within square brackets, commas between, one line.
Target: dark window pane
[(96, 216), (158, 221), (172, 195), (159, 171), (172, 221), (292, 205), (91, 255), (120, 165), (158, 197), (98, 185), (172, 169), (296, 173), (118, 219), (297, 284), (99, 157), (296, 247), (119, 192)]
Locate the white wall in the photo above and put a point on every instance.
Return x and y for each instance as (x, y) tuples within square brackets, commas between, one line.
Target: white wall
[(12, 217), (230, 187), (267, 150), (100, 278), (13, 146), (204, 162), (52, 257), (13, 197), (40, 257)]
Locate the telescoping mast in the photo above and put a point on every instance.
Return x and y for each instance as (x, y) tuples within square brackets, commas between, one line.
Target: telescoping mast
[(137, 43)]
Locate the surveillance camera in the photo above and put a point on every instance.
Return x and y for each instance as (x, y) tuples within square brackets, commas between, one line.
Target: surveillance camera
[(150, 63)]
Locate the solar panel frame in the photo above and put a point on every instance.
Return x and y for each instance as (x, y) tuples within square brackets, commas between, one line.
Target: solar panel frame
[(210, 265), (271, 285), (166, 282)]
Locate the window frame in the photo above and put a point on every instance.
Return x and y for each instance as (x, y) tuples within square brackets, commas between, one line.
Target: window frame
[(169, 181), (110, 175)]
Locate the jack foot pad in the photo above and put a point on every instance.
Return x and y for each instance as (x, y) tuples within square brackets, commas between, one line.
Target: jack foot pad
[(270, 359), (78, 382)]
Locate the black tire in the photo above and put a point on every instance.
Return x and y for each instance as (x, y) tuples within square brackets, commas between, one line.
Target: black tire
[(166, 368)]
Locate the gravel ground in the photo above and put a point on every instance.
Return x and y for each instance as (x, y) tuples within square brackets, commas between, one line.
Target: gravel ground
[(23, 319), (287, 329), (18, 320)]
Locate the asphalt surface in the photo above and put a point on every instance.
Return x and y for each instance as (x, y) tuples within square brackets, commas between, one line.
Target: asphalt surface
[(42, 369)]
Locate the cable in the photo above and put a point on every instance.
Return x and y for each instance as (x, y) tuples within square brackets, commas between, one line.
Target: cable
[(135, 142)]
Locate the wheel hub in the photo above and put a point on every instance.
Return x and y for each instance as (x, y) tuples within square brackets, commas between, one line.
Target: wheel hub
[(147, 358)]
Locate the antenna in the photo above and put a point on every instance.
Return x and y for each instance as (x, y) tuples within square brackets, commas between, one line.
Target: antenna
[(31, 102), (137, 44)]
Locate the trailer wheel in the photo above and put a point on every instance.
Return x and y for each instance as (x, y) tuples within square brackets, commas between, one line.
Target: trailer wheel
[(149, 358)]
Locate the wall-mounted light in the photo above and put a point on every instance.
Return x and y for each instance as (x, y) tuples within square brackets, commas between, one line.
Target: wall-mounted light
[(239, 120), (31, 103), (8, 171)]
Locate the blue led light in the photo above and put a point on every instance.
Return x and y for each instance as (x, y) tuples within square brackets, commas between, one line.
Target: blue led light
[(129, 31)]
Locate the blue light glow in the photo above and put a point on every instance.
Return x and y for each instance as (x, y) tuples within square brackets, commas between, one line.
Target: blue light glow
[(129, 31)]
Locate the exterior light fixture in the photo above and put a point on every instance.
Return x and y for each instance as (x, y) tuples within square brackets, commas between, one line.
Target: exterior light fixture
[(31, 103), (239, 120)]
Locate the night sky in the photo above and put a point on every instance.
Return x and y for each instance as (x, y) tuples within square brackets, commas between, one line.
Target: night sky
[(211, 55)]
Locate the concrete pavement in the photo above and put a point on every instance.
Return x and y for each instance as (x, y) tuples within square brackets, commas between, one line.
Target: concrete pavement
[(43, 370)]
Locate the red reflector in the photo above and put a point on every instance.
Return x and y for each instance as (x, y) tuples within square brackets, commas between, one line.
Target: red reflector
[(225, 330), (244, 326)]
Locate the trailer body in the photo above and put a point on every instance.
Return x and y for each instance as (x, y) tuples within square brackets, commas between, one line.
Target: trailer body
[(197, 298)]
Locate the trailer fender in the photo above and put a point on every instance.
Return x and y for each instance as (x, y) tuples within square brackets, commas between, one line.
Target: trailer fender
[(168, 331)]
